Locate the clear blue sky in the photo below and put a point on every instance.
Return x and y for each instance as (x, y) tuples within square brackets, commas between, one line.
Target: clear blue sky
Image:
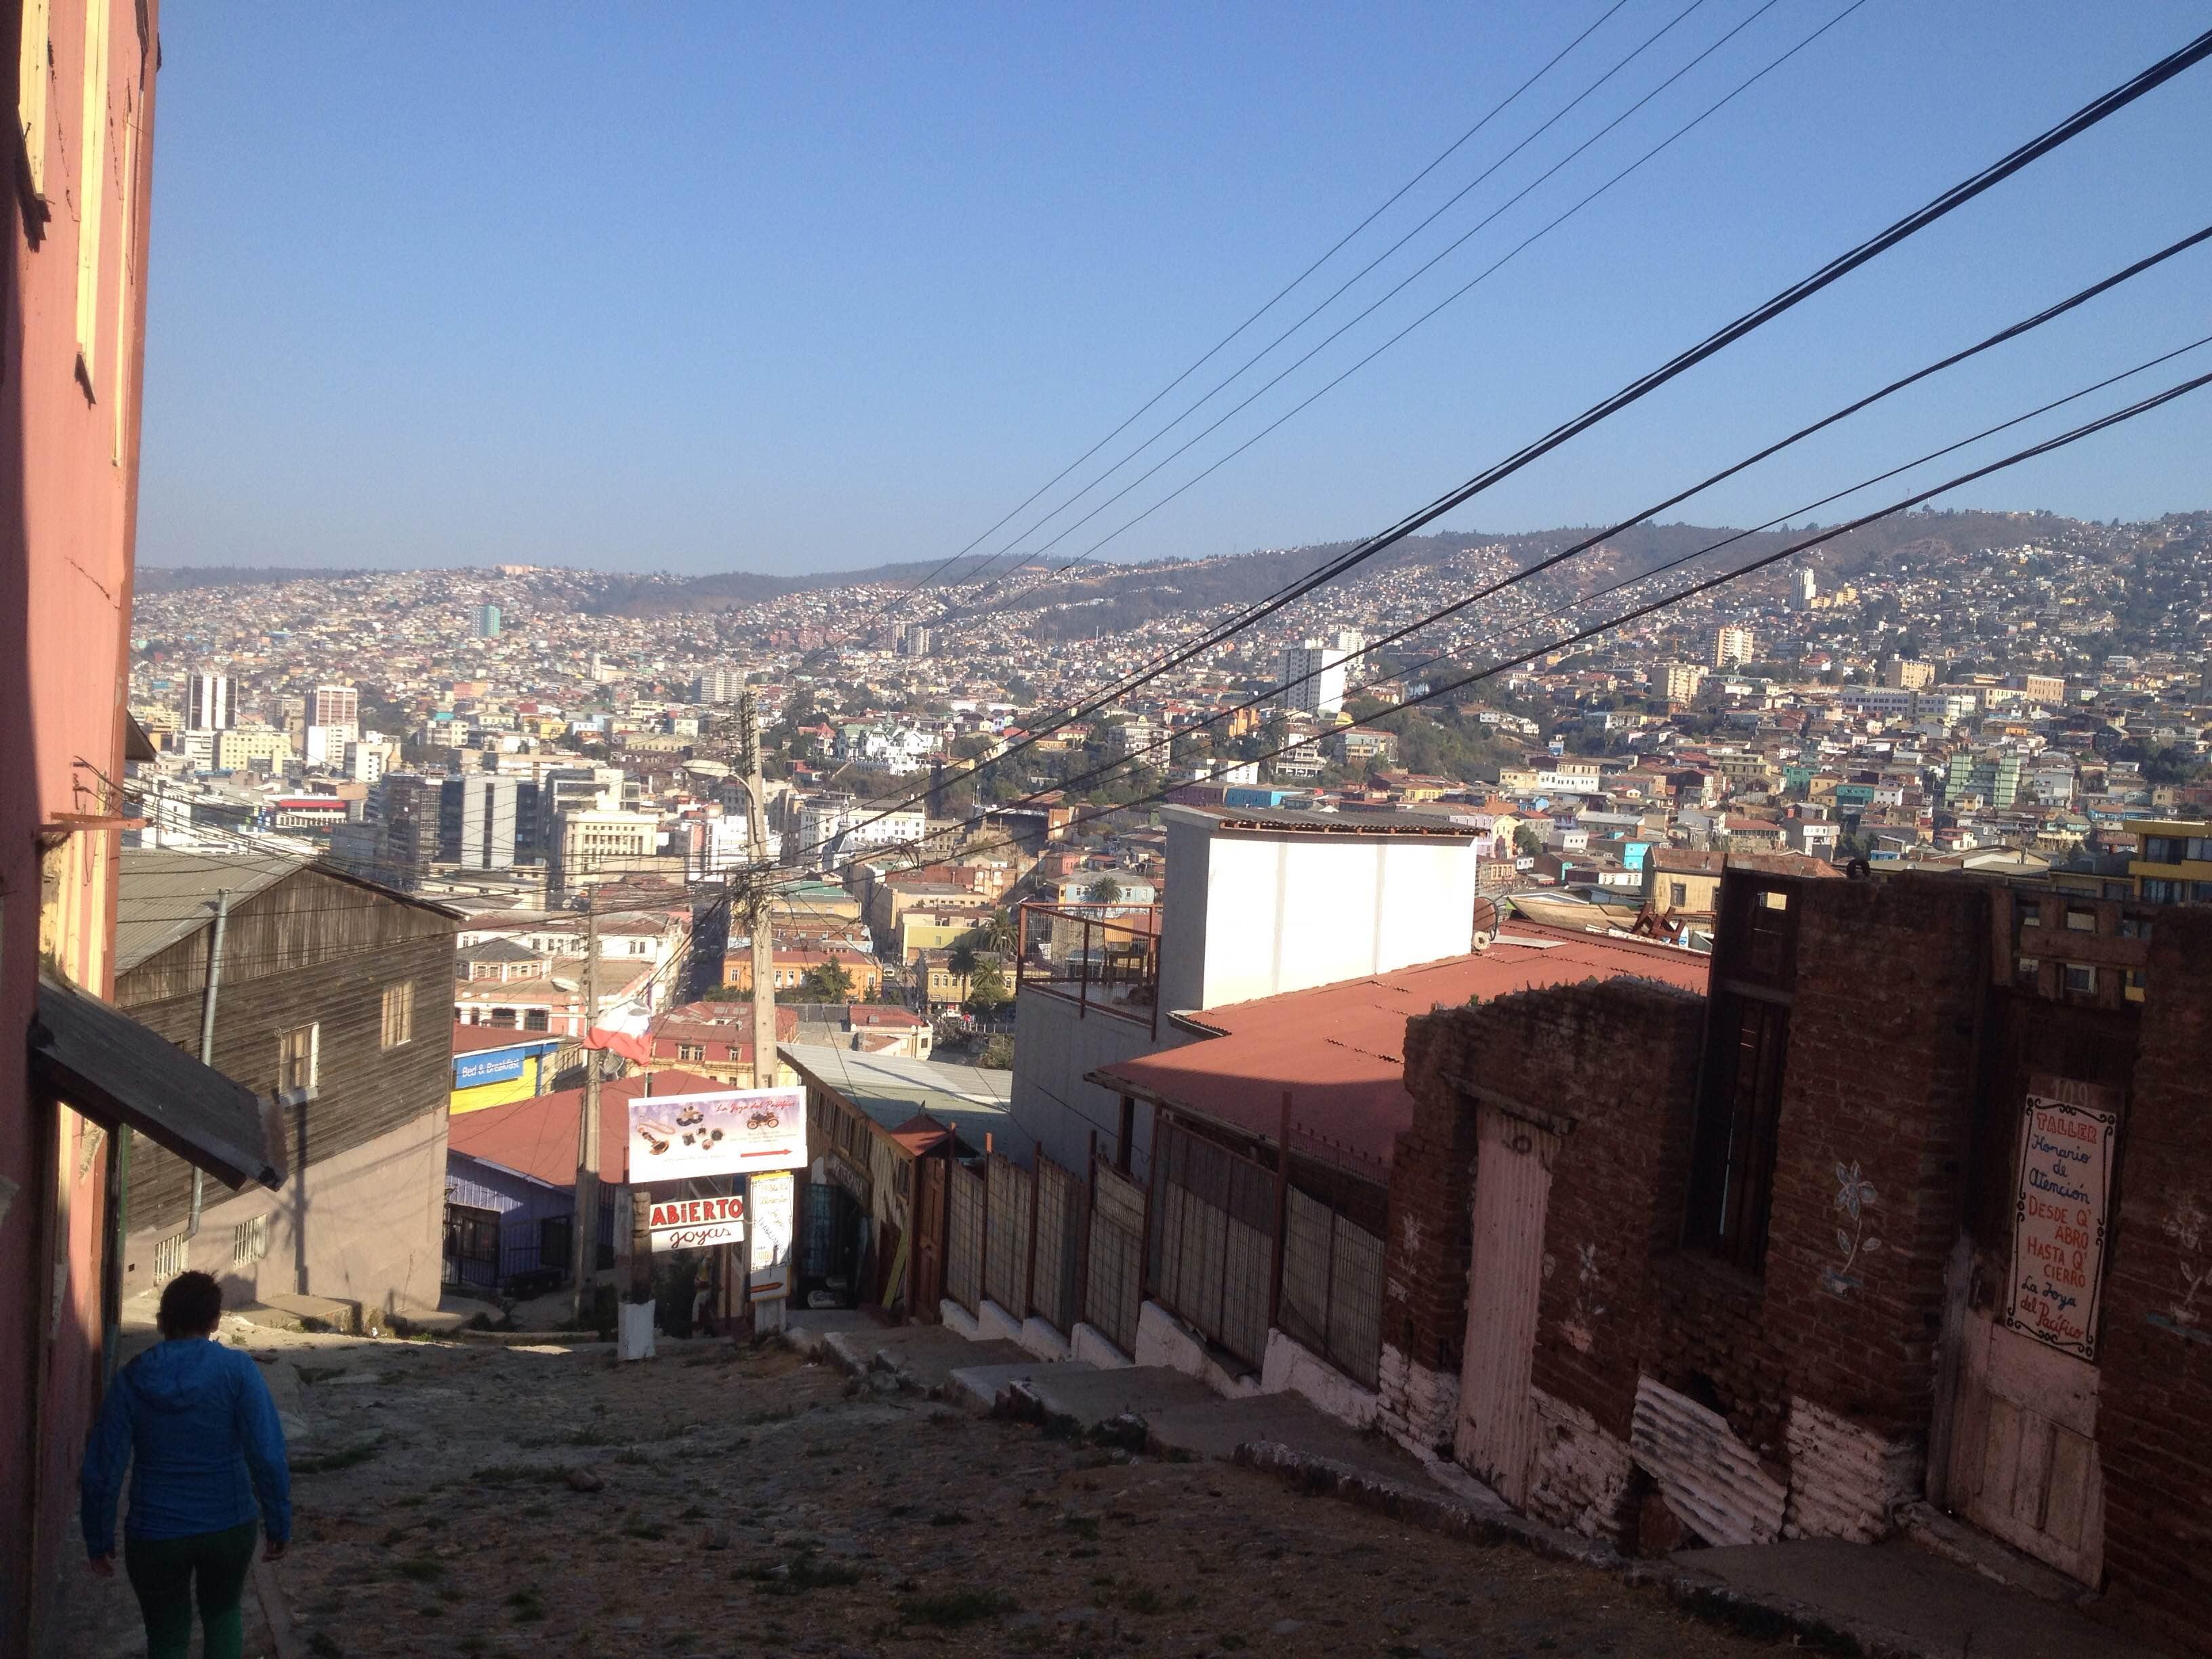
[(796, 288)]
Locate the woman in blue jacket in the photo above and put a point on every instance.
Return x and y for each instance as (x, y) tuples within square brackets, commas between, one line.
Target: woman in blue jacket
[(194, 1420)]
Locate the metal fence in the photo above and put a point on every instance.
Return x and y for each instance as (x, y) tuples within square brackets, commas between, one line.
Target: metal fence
[(1063, 1218), (1114, 1272), (964, 1242), (1007, 1217), (1332, 1298), (1213, 1239)]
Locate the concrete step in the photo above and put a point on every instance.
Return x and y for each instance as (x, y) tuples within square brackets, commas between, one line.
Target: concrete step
[(1217, 1429), (982, 1387), (284, 1310), (1091, 1397)]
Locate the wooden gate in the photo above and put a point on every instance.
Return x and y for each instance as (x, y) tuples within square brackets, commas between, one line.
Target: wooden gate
[(928, 1236), (1497, 1433)]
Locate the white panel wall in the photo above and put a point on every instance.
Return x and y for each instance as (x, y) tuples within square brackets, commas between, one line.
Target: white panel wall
[(1053, 1105), (1290, 912)]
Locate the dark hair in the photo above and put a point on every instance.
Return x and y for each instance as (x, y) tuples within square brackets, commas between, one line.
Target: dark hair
[(192, 1305)]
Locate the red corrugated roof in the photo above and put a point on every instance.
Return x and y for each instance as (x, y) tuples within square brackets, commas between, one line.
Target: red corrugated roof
[(475, 1039), (1339, 1049), (538, 1137)]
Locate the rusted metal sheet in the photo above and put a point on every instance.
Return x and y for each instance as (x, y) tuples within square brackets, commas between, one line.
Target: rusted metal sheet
[(1708, 1477)]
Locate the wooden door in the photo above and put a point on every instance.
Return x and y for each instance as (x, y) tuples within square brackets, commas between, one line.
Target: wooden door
[(2023, 1461), (1497, 1433), (2024, 1465)]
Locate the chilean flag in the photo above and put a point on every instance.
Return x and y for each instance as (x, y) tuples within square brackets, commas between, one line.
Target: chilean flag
[(621, 1030)]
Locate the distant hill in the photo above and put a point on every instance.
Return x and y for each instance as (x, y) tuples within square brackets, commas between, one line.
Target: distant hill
[(153, 578), (1091, 600)]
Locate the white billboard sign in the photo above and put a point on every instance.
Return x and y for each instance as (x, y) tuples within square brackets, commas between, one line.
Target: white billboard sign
[(674, 1137), (772, 1195)]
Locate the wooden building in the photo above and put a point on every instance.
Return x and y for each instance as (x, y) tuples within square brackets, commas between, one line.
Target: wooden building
[(331, 995)]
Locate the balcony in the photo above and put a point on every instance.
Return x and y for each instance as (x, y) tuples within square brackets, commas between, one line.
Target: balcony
[(1104, 958)]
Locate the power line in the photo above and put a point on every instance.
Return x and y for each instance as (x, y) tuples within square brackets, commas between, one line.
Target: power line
[(2104, 422), (1414, 276), (1281, 294), (1947, 202), (1336, 294), (2025, 325)]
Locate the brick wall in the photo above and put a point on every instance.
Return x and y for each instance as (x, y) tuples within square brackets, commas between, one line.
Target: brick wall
[(2154, 1406), (1880, 1082)]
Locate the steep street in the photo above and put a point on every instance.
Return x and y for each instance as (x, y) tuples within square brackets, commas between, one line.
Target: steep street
[(750, 1502)]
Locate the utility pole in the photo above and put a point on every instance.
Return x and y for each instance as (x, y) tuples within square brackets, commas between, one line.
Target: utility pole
[(768, 1316), (586, 1224)]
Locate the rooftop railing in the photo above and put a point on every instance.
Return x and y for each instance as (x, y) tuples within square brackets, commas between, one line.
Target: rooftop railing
[(1103, 957)]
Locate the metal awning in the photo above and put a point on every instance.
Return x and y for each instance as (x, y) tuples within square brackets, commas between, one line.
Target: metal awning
[(116, 1071)]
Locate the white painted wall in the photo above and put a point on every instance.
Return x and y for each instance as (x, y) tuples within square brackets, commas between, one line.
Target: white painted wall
[(1256, 913), (1053, 1049)]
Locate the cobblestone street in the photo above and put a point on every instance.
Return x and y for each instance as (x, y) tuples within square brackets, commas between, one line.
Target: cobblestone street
[(462, 1499)]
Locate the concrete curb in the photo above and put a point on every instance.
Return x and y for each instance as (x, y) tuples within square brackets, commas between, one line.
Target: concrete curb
[(534, 1338), (1700, 1594)]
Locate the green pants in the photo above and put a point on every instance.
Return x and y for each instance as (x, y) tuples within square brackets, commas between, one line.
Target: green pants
[(162, 1570)]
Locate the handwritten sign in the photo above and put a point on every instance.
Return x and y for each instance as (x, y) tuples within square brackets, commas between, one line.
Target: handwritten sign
[(2058, 1216)]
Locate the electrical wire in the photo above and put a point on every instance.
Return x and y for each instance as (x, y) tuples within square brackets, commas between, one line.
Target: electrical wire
[(2091, 114)]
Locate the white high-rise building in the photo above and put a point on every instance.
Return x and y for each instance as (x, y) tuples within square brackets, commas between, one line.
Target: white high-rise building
[(337, 705), (719, 685), (1733, 646), (210, 703), (1804, 588), (1314, 671)]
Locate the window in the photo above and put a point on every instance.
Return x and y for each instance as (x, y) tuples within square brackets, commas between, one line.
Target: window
[(399, 1013), (2081, 979), (690, 1051), (296, 1055), (92, 183), (1681, 894), (169, 1257), (34, 70), (249, 1241), (537, 1019)]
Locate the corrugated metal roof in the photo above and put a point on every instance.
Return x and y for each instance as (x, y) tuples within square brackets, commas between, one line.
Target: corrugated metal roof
[(165, 896), (1338, 1049), (1326, 823), (892, 1088)]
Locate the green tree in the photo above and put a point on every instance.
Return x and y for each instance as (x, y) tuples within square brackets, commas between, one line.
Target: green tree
[(998, 1054), (830, 982), (961, 959), (988, 989), (1000, 932), (1104, 890), (1525, 840)]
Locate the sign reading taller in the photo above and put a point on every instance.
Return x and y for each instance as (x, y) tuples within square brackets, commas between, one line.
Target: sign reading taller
[(736, 1131)]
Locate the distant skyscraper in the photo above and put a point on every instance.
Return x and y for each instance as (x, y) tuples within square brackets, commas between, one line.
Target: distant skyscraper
[(479, 820), (337, 705), (1313, 671), (487, 622), (1733, 646), (1804, 588), (718, 685), (209, 703), (914, 641)]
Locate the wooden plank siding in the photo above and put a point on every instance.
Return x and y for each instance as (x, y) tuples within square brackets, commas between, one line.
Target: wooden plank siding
[(316, 950)]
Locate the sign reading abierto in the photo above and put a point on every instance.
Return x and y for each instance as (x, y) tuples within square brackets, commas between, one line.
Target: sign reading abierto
[(675, 1136), (692, 1224), (2058, 1219)]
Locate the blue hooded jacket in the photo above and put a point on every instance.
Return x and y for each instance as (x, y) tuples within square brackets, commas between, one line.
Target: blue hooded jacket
[(194, 1420)]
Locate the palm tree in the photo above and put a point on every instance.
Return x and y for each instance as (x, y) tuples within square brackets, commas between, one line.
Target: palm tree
[(1000, 931), (962, 959), (1104, 890)]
